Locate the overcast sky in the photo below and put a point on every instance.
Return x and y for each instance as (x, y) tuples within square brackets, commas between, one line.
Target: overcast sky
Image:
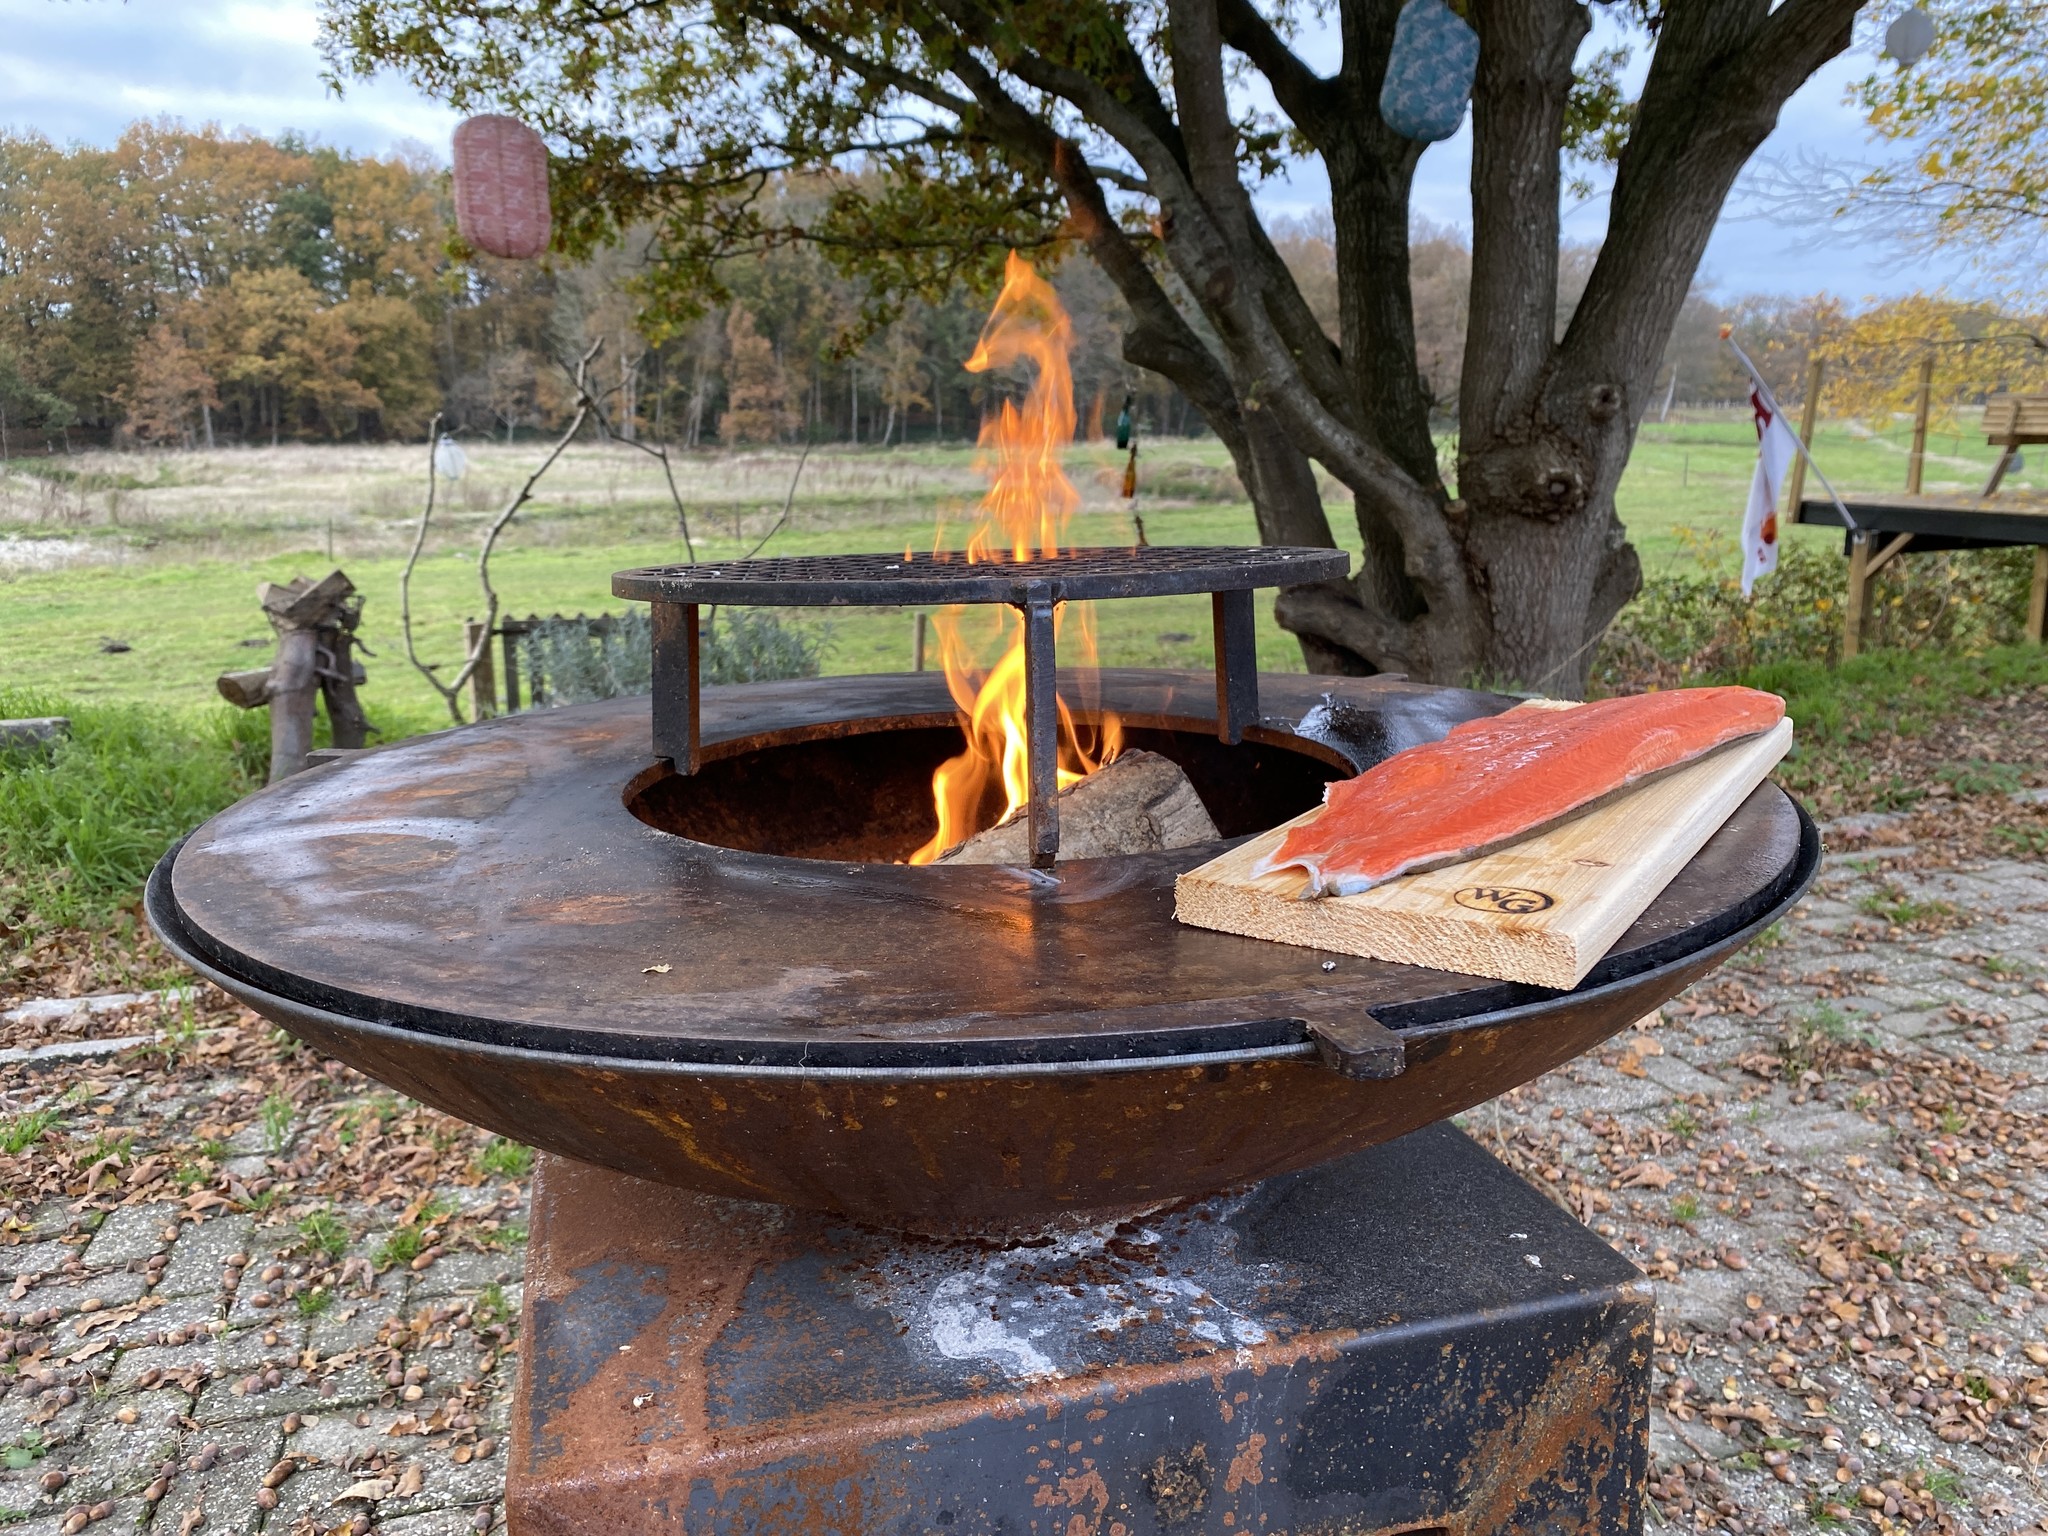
[(82, 69)]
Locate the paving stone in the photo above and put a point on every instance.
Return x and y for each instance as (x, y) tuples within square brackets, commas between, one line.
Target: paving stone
[(336, 1439), (1681, 1079), (162, 1358), (34, 1258), (114, 1288), (117, 1459), (200, 1253), (1810, 1130), (311, 1495), (446, 1483), (464, 1274), (439, 1522), (228, 1489), (191, 1313), (351, 1327), (132, 1233)]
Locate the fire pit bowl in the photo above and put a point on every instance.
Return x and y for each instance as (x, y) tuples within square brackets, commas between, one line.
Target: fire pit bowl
[(717, 980)]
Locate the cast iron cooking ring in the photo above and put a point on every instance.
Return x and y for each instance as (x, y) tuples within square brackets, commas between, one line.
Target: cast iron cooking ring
[(1419, 1032), (569, 764)]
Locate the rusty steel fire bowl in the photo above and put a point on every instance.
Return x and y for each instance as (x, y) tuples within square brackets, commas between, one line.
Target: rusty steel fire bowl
[(722, 981)]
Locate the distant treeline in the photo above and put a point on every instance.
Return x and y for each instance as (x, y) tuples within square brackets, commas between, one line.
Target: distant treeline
[(193, 287)]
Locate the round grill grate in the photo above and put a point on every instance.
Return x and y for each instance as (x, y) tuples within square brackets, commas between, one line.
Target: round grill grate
[(833, 581)]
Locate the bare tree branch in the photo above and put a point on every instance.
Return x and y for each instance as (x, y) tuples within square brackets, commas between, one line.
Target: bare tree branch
[(451, 691)]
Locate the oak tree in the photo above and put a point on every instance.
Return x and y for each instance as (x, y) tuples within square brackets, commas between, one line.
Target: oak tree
[(1131, 127)]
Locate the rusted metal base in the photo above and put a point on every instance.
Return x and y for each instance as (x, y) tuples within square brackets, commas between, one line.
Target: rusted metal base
[(1407, 1340)]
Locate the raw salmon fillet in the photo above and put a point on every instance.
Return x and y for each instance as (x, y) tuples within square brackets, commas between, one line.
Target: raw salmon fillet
[(1494, 781)]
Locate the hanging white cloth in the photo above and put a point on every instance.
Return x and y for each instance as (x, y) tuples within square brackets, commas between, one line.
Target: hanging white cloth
[(450, 462), (1775, 448)]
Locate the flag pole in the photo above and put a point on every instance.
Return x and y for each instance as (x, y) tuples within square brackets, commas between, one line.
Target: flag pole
[(1771, 400)]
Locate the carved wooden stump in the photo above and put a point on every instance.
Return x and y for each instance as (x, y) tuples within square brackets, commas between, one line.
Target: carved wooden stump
[(315, 623)]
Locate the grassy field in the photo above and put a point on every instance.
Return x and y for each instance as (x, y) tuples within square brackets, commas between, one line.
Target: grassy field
[(162, 552)]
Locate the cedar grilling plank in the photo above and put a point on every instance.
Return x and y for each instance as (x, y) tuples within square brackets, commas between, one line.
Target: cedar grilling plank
[(1492, 782)]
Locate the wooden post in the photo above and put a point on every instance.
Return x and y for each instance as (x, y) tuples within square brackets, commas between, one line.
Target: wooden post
[(917, 643), (340, 674), (1866, 559), (1859, 595), (294, 684), (1808, 412), (513, 632), (483, 681), (2037, 600), (315, 624), (1916, 462)]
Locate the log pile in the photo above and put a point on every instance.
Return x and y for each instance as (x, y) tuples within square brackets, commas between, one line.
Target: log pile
[(315, 623), (1141, 803)]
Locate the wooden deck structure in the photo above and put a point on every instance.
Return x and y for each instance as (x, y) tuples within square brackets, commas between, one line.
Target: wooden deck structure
[(1889, 526)]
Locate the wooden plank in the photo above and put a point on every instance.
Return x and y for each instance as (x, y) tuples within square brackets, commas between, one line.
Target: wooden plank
[(1543, 911), (2005, 521), (2037, 598)]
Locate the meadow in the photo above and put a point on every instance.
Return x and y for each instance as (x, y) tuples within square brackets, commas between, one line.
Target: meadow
[(161, 552)]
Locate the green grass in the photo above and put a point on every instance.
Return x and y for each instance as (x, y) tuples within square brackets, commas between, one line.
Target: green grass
[(183, 592), (184, 539), (313, 1302), (405, 1243), (503, 1159), (325, 1232), (22, 1131), (81, 826), (277, 1114), (1685, 1209)]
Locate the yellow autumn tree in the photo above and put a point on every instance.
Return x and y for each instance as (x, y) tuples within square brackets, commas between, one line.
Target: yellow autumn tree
[(1873, 358), (757, 394)]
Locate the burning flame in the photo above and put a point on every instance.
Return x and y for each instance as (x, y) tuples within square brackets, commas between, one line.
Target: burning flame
[(1024, 515)]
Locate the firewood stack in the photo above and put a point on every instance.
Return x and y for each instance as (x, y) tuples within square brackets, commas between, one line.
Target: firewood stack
[(315, 623)]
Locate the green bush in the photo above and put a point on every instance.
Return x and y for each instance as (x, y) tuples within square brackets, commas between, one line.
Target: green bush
[(1699, 628), (574, 661), (81, 823)]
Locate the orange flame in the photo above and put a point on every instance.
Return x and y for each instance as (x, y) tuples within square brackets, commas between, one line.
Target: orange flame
[(1030, 500)]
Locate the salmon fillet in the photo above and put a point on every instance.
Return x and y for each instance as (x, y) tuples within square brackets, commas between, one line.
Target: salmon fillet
[(1494, 781)]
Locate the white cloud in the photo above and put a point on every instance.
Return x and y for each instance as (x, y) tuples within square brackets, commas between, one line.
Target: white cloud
[(83, 71)]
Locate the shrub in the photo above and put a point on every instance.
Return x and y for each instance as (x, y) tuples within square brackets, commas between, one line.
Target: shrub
[(1699, 628), (574, 661)]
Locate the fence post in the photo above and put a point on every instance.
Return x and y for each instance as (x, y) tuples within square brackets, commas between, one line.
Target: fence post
[(483, 680), (1807, 411), (1916, 461), (917, 644)]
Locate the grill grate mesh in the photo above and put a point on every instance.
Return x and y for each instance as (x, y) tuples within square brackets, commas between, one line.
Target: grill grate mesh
[(948, 576)]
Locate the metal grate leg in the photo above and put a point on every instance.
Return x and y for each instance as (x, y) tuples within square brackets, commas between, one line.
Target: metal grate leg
[(676, 687), (1237, 664), (1042, 730)]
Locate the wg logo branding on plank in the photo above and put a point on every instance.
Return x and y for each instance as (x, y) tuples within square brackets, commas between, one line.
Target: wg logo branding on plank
[(1508, 900)]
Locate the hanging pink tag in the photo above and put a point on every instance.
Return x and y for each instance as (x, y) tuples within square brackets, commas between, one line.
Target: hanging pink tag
[(501, 187)]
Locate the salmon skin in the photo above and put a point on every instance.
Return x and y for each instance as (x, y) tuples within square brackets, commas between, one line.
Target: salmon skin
[(1495, 781)]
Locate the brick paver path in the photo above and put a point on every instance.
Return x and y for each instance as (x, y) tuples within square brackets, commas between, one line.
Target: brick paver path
[(243, 1290)]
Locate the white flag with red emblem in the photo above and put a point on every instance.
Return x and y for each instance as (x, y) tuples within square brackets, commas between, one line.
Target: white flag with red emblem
[(1775, 448)]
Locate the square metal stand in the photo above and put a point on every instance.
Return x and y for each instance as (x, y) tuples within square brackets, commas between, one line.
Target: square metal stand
[(1408, 1340)]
